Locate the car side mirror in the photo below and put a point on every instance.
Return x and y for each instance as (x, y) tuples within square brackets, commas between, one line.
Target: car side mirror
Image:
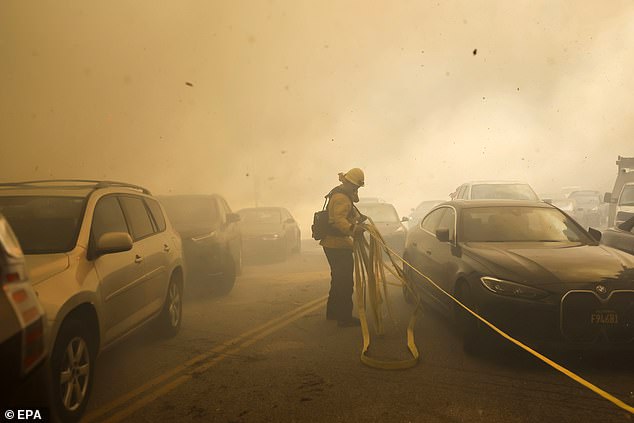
[(607, 197), (405, 219), (595, 234), (233, 217), (113, 242), (442, 235)]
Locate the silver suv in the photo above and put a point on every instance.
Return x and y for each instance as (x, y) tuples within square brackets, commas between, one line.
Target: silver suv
[(103, 260)]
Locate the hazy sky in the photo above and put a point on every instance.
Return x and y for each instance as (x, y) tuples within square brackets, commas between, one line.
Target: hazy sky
[(276, 97)]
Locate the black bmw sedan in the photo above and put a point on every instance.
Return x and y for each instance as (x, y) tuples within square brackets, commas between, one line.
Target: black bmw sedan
[(527, 268)]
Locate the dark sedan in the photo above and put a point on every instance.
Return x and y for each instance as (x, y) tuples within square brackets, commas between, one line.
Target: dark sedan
[(621, 237), (269, 230), (527, 268)]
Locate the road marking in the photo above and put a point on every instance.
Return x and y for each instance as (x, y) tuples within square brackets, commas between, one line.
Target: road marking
[(198, 364)]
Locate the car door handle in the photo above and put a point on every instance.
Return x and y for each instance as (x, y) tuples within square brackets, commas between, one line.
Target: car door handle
[(166, 248), (138, 259)]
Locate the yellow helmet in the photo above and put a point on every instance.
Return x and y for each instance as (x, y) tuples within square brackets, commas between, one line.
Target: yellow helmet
[(355, 176)]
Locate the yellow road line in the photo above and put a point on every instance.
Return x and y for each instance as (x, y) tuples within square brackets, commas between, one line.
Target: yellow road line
[(259, 331)]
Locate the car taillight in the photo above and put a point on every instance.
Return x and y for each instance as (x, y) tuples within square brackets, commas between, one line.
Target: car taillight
[(12, 277), (19, 296)]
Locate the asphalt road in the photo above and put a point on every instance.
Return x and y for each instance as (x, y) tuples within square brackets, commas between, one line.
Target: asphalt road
[(265, 353)]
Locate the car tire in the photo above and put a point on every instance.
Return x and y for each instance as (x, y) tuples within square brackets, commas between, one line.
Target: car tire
[(298, 245), (171, 315), (238, 261), (72, 369), (227, 280), (470, 329)]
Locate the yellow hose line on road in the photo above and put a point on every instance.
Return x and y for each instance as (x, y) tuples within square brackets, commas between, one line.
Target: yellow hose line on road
[(376, 236)]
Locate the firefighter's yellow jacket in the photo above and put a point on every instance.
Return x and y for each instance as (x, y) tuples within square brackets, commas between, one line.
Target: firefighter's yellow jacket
[(342, 217)]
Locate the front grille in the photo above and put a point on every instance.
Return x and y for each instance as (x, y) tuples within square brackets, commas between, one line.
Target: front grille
[(588, 318)]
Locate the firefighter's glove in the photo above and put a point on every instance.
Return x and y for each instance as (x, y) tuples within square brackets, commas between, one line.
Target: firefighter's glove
[(358, 230)]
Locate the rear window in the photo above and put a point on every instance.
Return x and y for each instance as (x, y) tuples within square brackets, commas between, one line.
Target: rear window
[(502, 192), (255, 216), (379, 212), (43, 224)]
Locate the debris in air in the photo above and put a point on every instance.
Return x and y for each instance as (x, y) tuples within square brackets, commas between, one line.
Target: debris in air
[(475, 51), (189, 84)]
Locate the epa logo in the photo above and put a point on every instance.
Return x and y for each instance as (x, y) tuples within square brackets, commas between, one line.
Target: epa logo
[(23, 415)]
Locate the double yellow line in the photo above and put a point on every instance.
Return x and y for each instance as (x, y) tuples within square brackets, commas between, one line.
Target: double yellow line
[(138, 398)]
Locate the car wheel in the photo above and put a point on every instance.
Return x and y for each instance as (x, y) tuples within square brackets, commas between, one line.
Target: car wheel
[(469, 327), (298, 245), (172, 313), (228, 278), (72, 367)]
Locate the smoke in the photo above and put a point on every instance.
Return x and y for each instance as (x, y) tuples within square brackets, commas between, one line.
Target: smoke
[(266, 101)]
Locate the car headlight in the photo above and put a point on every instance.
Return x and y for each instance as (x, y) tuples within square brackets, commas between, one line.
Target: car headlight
[(512, 289), (271, 236)]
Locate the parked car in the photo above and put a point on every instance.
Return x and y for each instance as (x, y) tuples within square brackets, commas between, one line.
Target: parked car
[(104, 261), (589, 209), (420, 211), (269, 229), (386, 219), (212, 240), (22, 342), (621, 237), (495, 190), (527, 268)]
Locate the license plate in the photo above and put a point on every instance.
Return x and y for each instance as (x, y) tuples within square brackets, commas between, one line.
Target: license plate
[(604, 317)]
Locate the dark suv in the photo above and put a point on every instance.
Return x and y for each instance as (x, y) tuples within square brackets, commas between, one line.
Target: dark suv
[(212, 241)]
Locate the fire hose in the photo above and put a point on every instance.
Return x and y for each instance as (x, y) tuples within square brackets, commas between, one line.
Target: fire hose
[(371, 289)]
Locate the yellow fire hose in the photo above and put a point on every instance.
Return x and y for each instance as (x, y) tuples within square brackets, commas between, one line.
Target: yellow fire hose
[(370, 283)]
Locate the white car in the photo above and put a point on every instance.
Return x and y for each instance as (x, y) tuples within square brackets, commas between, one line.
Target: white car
[(104, 260), (494, 190)]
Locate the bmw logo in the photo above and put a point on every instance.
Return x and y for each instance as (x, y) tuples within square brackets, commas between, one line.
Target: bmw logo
[(601, 289)]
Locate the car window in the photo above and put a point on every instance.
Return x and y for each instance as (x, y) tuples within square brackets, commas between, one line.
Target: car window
[(108, 217), (462, 192), (187, 212), (431, 221), (503, 191), (627, 196), (157, 213), (44, 224), (259, 216), (448, 221), (379, 212), (137, 217)]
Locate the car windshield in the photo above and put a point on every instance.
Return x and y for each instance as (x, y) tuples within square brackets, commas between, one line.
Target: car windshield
[(502, 191), (186, 212), (519, 224), (258, 216), (627, 197), (44, 225), (379, 212)]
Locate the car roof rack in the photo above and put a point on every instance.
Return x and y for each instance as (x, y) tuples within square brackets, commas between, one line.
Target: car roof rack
[(96, 184)]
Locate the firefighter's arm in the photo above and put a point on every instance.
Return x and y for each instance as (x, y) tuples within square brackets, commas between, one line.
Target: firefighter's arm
[(340, 207)]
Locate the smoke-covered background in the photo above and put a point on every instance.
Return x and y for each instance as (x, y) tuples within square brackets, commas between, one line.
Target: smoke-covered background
[(267, 100)]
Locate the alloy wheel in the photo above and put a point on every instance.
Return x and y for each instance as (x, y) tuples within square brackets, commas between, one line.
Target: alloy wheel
[(74, 375)]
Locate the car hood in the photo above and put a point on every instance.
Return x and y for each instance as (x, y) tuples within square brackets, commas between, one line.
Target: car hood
[(261, 228), (552, 265), (43, 266)]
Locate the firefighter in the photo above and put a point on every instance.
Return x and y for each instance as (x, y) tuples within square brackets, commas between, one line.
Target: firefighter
[(345, 223)]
